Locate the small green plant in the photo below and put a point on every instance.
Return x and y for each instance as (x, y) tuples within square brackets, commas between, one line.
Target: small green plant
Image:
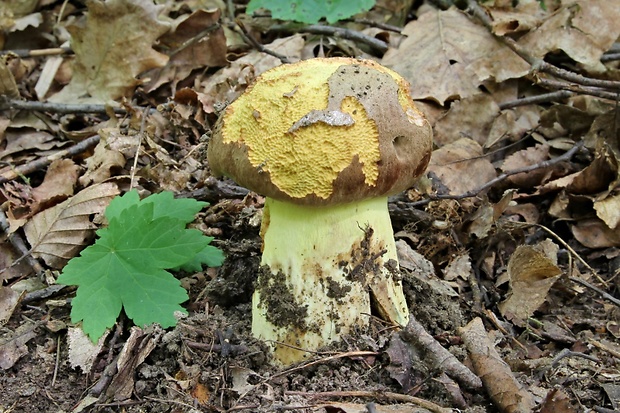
[(126, 267), (311, 11)]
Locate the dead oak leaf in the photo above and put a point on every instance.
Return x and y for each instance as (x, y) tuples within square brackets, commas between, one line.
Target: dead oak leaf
[(197, 41), (112, 46), (584, 30), (447, 56)]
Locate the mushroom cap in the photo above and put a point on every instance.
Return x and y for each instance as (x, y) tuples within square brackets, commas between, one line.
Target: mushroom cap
[(323, 131)]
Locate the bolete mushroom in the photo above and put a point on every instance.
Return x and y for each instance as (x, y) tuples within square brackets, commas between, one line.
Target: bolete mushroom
[(326, 141)]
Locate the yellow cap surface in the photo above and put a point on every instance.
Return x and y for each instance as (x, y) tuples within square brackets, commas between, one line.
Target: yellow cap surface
[(323, 131)]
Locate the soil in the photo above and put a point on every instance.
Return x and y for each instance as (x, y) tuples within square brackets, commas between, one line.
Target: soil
[(211, 363)]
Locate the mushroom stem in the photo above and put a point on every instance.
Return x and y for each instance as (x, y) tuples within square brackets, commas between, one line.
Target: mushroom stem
[(319, 268)]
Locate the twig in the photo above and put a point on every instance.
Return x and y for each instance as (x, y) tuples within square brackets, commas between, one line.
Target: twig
[(539, 64), (594, 288), (254, 43), (543, 98), (474, 192), (20, 246), (134, 167), (323, 360), (57, 363), (403, 398), (375, 44), (437, 356), (38, 52), (18, 104), (45, 161)]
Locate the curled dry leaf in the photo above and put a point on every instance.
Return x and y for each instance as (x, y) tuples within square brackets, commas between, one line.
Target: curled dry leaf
[(57, 234), (531, 271), (102, 163), (503, 388), (197, 41), (13, 344)]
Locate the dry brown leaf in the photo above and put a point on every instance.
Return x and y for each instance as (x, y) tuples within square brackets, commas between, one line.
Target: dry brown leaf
[(557, 401), (196, 41), (593, 233), (458, 267), (58, 184), (102, 163), (447, 56), (524, 158), (112, 46), (8, 301), (512, 124), (525, 16), (532, 270), (57, 234), (13, 344), (608, 210), (471, 117), (8, 268), (460, 167), (583, 29), (228, 83), (505, 391)]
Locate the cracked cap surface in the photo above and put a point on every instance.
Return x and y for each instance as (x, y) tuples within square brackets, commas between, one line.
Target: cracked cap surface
[(323, 131)]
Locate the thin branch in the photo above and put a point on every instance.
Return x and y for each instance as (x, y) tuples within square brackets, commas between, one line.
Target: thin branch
[(543, 98), (539, 64), (596, 289), (375, 44), (43, 162), (37, 52), (256, 44), (18, 243), (18, 104), (376, 395), (474, 192)]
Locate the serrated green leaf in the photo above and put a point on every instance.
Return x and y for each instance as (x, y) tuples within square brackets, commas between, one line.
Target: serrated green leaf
[(311, 11), (126, 266), (210, 256), (165, 205)]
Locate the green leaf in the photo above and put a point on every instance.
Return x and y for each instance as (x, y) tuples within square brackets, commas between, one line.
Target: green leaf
[(311, 11), (210, 256), (126, 267)]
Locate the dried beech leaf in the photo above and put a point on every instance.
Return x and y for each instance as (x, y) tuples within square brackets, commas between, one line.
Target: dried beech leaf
[(447, 56), (112, 46), (594, 233), (57, 234), (460, 166), (608, 210), (471, 117), (524, 158), (531, 271), (505, 391)]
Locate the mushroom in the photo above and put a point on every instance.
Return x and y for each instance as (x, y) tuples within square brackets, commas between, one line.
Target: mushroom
[(326, 141)]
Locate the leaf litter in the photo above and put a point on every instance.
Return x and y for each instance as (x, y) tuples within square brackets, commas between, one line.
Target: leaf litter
[(491, 240)]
